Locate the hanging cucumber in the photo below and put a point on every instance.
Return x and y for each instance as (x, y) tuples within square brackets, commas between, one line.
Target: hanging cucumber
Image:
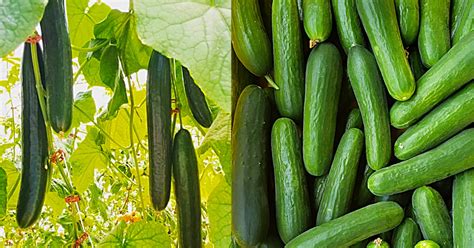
[(463, 209), (58, 66), (406, 235), (158, 97), (317, 19), (197, 101), (408, 12), (348, 24)]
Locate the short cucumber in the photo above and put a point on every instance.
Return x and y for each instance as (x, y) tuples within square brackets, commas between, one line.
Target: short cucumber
[(432, 216), (378, 243), (323, 84), (380, 23), (434, 39), (352, 227), (463, 209), (427, 244), (456, 113), (362, 195), (197, 101), (406, 235), (416, 64), (453, 70), (465, 21), (451, 157), (348, 24), (341, 179), (288, 62), (354, 120), (317, 19), (318, 190), (408, 12)]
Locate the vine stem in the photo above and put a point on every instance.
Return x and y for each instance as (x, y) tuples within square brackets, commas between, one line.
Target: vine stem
[(271, 82), (178, 102), (81, 67), (89, 49)]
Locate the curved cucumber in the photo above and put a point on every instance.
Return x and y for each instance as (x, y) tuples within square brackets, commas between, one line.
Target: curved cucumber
[(456, 113), (434, 39), (197, 101), (380, 23), (362, 195), (465, 22), (317, 19), (416, 64), (451, 157), (352, 227), (463, 209), (323, 84), (354, 120), (432, 215), (249, 38), (452, 71), (406, 235), (408, 12), (288, 62), (427, 244), (370, 94), (291, 194), (348, 24), (158, 90), (250, 208)]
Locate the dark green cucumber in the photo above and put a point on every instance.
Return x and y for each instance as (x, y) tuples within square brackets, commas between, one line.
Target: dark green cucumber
[(318, 190), (465, 22), (380, 23), (158, 97), (362, 195), (354, 120), (288, 62), (323, 84), (378, 243), (58, 65), (408, 12), (456, 113), (451, 157), (453, 70), (197, 101), (293, 210), (348, 24), (406, 235), (432, 216), (249, 38), (250, 208), (336, 200), (427, 244), (463, 209), (317, 19), (188, 198), (434, 38), (352, 227), (36, 172), (416, 64), (272, 241), (241, 77)]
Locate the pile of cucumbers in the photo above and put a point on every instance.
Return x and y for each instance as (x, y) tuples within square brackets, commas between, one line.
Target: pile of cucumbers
[(352, 123)]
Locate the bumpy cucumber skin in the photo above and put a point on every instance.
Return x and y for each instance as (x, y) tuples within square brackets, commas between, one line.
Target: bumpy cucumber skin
[(36, 174), (323, 84), (288, 59), (58, 66), (406, 235), (427, 244), (380, 23), (249, 38), (250, 143), (349, 28), (451, 157), (336, 200), (291, 193), (432, 216), (317, 19), (197, 101), (352, 227), (370, 94), (434, 39), (362, 195), (158, 90), (453, 70), (447, 119), (354, 120), (408, 12), (416, 64), (465, 22), (463, 209)]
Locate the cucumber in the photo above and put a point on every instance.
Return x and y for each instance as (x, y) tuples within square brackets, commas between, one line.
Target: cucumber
[(272, 241), (406, 235), (354, 120), (293, 210), (58, 66), (408, 13), (463, 209), (457, 9), (35, 172), (249, 38), (432, 216), (465, 21), (362, 195), (241, 77), (416, 64), (188, 199), (158, 97), (427, 244), (197, 101), (348, 24), (380, 23), (340, 182), (288, 59), (323, 84), (250, 208), (317, 20), (266, 12), (456, 113), (451, 157), (370, 94), (318, 190), (453, 70), (352, 227), (434, 38), (378, 243)]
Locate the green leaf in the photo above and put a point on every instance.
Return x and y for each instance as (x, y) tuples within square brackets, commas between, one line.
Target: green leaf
[(219, 211), (3, 192), (91, 69), (139, 234), (13, 176), (84, 108), (195, 32), (56, 203), (18, 20)]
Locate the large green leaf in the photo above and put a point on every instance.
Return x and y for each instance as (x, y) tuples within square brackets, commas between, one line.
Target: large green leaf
[(84, 108), (3, 192), (18, 19), (218, 208), (13, 177), (140, 234), (195, 32)]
